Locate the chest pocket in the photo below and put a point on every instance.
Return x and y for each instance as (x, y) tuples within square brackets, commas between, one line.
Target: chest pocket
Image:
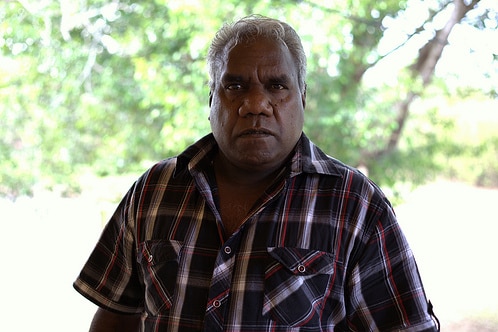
[(159, 263), (296, 284)]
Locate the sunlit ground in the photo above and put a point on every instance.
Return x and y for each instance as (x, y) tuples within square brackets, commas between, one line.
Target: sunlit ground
[(452, 228)]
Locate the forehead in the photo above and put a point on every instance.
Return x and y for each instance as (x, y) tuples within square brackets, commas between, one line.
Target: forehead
[(261, 54)]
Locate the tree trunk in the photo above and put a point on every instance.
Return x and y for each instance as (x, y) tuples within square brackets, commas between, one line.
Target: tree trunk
[(424, 67)]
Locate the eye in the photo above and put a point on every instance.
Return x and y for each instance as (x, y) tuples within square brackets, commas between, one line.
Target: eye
[(234, 86), (277, 87)]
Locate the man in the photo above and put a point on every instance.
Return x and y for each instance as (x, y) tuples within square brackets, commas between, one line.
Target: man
[(253, 228)]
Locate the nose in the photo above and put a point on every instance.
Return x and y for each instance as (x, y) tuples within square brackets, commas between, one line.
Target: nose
[(256, 102)]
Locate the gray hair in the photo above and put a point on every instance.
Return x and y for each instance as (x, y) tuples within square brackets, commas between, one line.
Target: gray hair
[(249, 28)]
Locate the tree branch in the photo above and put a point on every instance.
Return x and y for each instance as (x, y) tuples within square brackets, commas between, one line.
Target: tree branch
[(424, 67)]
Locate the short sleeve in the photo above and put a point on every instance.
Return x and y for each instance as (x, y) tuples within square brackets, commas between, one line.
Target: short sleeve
[(385, 289), (110, 277)]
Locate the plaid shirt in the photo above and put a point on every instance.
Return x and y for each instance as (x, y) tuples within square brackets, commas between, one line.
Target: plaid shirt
[(320, 251)]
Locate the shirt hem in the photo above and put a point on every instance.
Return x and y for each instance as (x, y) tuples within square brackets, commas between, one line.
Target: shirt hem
[(427, 326), (98, 299)]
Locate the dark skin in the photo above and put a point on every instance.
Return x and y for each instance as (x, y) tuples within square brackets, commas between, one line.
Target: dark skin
[(107, 321), (237, 197), (257, 115)]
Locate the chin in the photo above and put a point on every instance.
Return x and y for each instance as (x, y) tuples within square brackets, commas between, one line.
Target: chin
[(260, 161)]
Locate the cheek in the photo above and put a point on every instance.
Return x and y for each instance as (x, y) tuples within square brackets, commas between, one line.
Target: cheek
[(296, 121), (214, 119), (218, 120)]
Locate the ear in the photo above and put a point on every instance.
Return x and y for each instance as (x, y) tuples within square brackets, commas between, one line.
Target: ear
[(210, 98), (303, 96)]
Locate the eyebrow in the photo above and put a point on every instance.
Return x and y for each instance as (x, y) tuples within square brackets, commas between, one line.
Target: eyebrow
[(279, 79), (284, 78), (232, 78)]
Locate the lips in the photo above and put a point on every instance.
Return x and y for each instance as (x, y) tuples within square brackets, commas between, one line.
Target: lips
[(256, 132)]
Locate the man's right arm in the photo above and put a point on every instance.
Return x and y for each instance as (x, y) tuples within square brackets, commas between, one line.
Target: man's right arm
[(107, 321)]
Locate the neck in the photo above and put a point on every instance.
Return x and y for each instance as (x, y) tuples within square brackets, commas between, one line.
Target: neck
[(248, 177)]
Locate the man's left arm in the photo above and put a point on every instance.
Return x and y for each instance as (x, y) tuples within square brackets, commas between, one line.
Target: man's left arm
[(386, 289)]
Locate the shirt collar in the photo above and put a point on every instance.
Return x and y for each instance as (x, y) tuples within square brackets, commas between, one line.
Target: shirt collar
[(307, 158)]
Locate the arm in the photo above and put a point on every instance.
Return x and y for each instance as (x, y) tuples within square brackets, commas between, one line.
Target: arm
[(106, 321), (387, 292)]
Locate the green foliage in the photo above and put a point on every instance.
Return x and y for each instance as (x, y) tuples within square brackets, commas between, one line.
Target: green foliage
[(417, 159), (473, 157), (110, 86)]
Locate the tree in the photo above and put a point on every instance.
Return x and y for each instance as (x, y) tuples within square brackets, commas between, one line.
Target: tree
[(365, 123), (423, 68), (110, 86), (420, 161)]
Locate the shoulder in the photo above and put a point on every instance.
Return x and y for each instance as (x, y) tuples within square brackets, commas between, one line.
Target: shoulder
[(181, 167), (311, 159), (348, 180), (159, 172)]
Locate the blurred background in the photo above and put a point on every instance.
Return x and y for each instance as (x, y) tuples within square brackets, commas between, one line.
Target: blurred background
[(92, 93)]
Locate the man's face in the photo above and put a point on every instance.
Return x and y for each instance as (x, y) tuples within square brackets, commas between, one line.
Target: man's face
[(257, 108)]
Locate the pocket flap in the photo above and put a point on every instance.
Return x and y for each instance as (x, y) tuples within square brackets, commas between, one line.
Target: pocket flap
[(303, 261), (155, 252)]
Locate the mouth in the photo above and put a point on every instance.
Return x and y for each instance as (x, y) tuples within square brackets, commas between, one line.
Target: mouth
[(255, 132)]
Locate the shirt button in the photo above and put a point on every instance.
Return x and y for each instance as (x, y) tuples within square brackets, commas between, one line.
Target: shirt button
[(228, 250), (216, 304), (301, 268)]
